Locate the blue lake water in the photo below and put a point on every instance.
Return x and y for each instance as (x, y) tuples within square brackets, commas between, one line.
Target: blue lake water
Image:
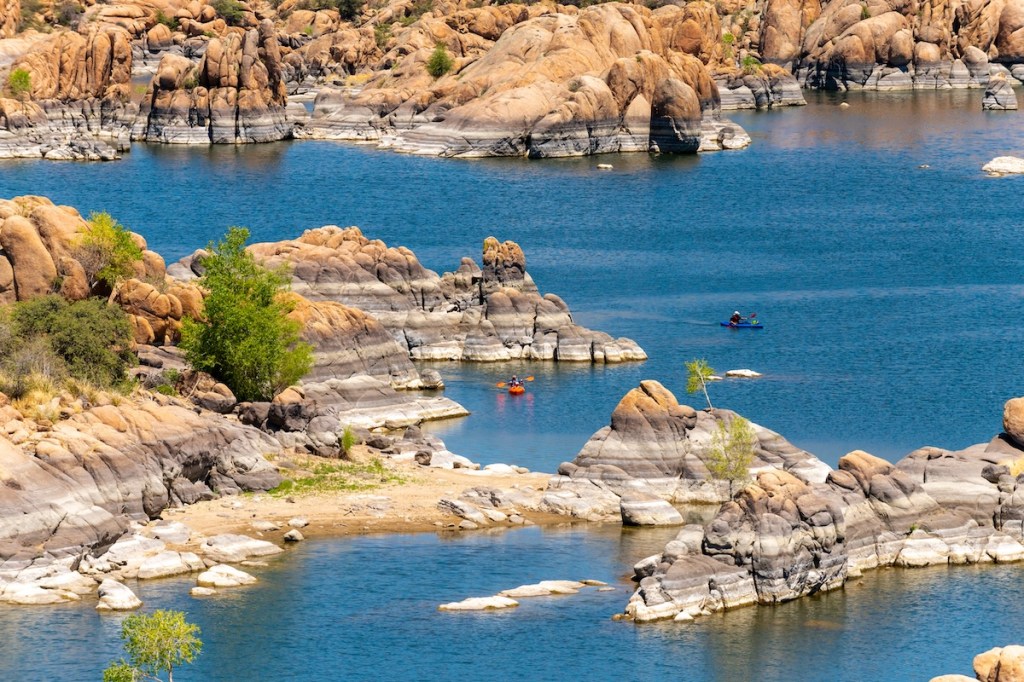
[(366, 609), (890, 295)]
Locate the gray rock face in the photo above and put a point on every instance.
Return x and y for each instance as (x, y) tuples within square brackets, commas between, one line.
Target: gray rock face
[(658, 447), (768, 90), (782, 538), (645, 509), (999, 95), (488, 314), (78, 486)]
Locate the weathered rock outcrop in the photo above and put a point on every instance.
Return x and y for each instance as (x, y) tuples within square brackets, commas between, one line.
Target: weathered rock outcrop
[(782, 538), (39, 251), (999, 95), (540, 82), (473, 314), (235, 94), (656, 447), (10, 15), (314, 416), (79, 104), (75, 485)]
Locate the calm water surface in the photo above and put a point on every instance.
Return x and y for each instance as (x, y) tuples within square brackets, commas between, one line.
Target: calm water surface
[(891, 296), (890, 293), (366, 609)]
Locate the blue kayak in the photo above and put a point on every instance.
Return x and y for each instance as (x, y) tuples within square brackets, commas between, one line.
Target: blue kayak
[(743, 325)]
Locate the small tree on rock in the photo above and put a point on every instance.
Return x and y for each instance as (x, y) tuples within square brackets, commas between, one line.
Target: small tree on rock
[(155, 644), (246, 340), (698, 374), (732, 451), (106, 251)]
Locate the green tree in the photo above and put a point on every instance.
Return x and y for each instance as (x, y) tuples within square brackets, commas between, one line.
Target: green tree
[(247, 340), (19, 83), (106, 251), (440, 61), (698, 374), (155, 644), (732, 451)]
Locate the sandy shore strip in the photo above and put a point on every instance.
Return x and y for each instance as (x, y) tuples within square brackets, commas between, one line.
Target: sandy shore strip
[(403, 500)]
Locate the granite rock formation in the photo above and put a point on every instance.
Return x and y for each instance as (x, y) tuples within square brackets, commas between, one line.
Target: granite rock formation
[(235, 94), (541, 82), (79, 106), (39, 251), (488, 314), (999, 95), (73, 484), (782, 538), (658, 449)]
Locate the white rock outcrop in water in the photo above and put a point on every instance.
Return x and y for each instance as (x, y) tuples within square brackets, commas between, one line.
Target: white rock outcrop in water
[(223, 575), (480, 604), (115, 596), (1004, 165)]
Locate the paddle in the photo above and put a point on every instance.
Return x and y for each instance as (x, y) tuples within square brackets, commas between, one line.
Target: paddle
[(502, 384)]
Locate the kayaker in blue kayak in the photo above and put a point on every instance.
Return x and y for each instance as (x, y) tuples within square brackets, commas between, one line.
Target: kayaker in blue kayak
[(736, 318)]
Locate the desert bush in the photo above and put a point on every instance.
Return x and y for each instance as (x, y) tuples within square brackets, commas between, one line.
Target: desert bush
[(440, 61)]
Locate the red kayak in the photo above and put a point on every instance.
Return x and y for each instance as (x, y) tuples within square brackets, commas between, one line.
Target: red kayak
[(517, 390)]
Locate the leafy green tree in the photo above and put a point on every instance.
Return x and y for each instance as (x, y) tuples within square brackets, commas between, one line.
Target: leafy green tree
[(155, 644), (732, 451), (440, 61), (698, 374), (106, 251), (247, 340), (19, 83)]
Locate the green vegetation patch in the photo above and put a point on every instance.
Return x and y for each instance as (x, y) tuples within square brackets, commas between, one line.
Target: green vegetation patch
[(338, 476)]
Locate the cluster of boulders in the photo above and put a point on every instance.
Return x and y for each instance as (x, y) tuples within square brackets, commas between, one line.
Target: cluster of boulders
[(781, 537), (481, 507), (235, 94), (158, 550), (655, 452)]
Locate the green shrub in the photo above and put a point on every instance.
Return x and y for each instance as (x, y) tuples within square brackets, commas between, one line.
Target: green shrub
[(865, 13), (67, 12), (19, 84), (728, 38), (155, 644), (232, 11), (88, 340), (106, 251), (30, 14), (440, 61), (170, 22), (751, 65), (348, 440), (381, 35), (247, 340)]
